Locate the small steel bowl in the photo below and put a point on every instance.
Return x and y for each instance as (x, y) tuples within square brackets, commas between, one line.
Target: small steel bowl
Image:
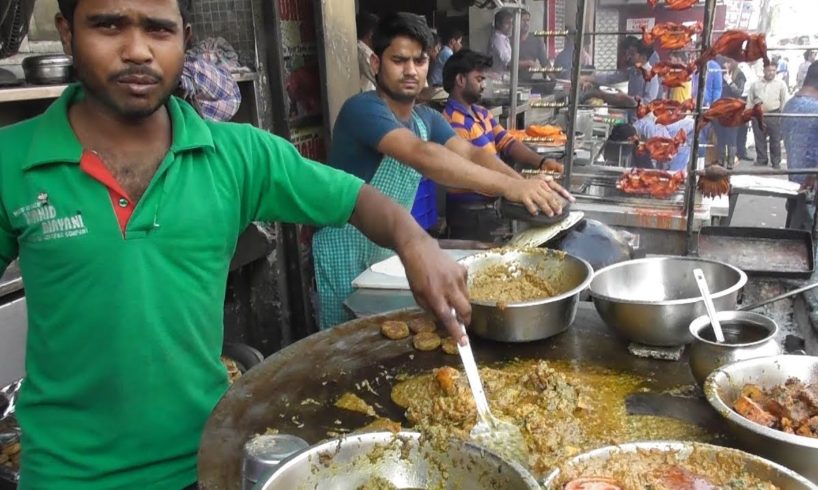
[(405, 460), (48, 69), (652, 301), (760, 468), (530, 320), (723, 386), (747, 335)]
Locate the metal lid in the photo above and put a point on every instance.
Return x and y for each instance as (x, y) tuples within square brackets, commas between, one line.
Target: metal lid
[(47, 60), (264, 452)]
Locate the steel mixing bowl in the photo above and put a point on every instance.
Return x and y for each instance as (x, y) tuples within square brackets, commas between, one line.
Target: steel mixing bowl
[(652, 301), (747, 335), (723, 386), (530, 320), (405, 460), (760, 468)]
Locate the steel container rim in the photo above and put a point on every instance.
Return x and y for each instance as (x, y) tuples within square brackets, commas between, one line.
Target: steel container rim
[(703, 321), (675, 446), (742, 281), (723, 375), (385, 438), (589, 276)]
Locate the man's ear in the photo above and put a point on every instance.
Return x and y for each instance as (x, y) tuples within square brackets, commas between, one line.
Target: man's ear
[(460, 80), (64, 28), (375, 63), (188, 36)]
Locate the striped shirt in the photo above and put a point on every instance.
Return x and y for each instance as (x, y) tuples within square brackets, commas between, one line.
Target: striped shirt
[(483, 131)]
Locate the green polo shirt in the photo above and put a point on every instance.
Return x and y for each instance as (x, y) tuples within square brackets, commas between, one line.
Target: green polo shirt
[(125, 325)]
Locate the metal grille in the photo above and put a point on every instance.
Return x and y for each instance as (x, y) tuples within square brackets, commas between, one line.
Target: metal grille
[(230, 19), (605, 50)]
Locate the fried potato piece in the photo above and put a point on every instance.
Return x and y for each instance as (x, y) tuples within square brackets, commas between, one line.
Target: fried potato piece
[(749, 409), (419, 325), (449, 346), (447, 377), (354, 403), (380, 425), (426, 341), (395, 330)]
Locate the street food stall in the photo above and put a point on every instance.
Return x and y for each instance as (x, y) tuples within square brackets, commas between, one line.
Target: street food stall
[(642, 347)]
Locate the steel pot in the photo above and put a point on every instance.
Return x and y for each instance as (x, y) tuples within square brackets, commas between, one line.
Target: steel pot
[(48, 69), (653, 301), (723, 386), (758, 467), (405, 460), (747, 335), (530, 320)]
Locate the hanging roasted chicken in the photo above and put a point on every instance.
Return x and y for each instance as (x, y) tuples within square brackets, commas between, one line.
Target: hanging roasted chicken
[(731, 113), (662, 149), (666, 111), (672, 74), (660, 184), (675, 4), (670, 35), (738, 45), (715, 182)]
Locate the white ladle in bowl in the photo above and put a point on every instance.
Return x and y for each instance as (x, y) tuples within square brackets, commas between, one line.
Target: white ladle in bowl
[(708, 304)]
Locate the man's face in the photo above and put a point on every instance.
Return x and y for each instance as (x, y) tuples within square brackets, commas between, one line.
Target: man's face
[(506, 25), (456, 44), (128, 54), (525, 24), (769, 72), (401, 68), (474, 84), (730, 66), (812, 56), (631, 55)]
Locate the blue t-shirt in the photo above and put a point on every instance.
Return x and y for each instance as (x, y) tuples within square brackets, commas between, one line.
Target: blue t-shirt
[(800, 134), (361, 125), (436, 72)]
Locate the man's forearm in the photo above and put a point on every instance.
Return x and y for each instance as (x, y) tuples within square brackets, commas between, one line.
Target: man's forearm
[(452, 170), (383, 221), (520, 153), (491, 162)]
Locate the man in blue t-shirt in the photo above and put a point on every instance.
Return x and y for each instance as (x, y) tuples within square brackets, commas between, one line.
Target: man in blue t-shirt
[(389, 142), (452, 41), (800, 134)]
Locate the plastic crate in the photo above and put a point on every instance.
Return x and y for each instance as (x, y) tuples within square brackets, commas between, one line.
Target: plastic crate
[(425, 208)]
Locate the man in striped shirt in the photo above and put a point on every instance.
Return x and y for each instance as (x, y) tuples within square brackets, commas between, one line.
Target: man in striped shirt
[(471, 216)]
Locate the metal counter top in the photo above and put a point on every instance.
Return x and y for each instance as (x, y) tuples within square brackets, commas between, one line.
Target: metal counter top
[(294, 390)]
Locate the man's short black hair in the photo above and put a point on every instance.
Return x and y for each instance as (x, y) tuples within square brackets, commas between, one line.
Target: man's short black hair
[(365, 24), (644, 50), (807, 54), (67, 8), (449, 35), (401, 24), (501, 17), (461, 63), (811, 80)]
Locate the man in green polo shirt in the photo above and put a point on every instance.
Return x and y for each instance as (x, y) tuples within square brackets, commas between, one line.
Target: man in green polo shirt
[(124, 208)]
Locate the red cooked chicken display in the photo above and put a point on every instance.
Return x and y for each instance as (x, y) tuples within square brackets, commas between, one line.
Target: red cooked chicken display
[(670, 35), (662, 149), (660, 184), (731, 113), (672, 74), (715, 181), (675, 4), (738, 45), (666, 111)]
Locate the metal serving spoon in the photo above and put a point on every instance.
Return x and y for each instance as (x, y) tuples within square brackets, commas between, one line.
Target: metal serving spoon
[(708, 303), (502, 437)]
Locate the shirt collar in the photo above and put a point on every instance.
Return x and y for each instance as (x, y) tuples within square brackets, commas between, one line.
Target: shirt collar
[(455, 105), (189, 131)]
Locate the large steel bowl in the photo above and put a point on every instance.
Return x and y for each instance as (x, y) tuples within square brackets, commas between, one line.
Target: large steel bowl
[(763, 469), (402, 459), (652, 301), (530, 320), (722, 389)]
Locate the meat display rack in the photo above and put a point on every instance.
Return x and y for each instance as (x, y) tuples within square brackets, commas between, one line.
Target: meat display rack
[(602, 188)]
